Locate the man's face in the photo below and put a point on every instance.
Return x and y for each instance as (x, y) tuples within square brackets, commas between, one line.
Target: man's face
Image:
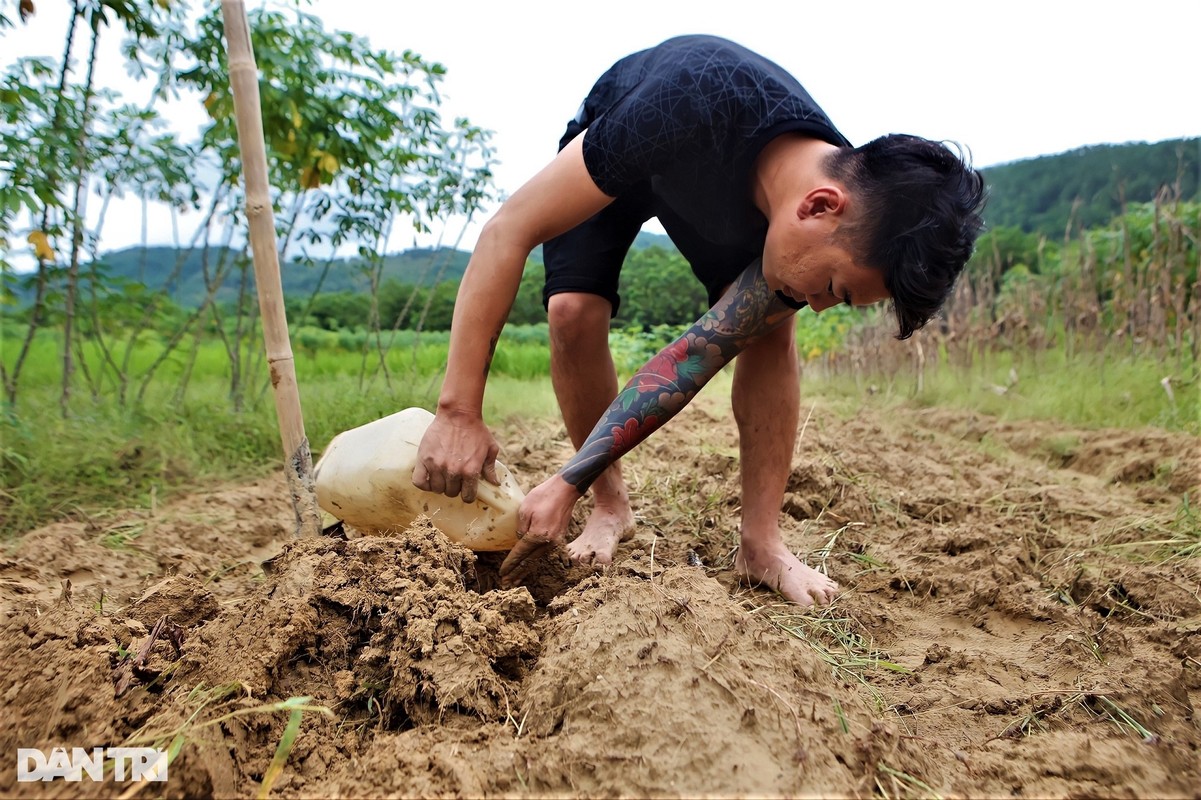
[(823, 275)]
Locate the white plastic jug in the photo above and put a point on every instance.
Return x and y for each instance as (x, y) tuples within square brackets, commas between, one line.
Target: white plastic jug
[(365, 478)]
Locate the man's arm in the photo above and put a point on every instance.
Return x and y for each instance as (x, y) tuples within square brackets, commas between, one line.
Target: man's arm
[(669, 381), (656, 393), (458, 447)]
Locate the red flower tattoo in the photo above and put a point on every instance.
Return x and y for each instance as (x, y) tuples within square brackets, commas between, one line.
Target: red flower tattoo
[(667, 363), (632, 432)]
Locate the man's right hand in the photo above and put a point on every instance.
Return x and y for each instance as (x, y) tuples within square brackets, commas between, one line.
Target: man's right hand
[(454, 453)]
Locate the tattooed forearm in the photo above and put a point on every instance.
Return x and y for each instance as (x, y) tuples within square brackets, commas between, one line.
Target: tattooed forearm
[(666, 383)]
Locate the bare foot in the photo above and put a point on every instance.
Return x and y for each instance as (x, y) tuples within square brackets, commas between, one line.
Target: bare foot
[(779, 570), (602, 533)]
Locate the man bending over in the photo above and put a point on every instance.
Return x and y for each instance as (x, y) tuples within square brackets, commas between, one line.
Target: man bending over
[(774, 210)]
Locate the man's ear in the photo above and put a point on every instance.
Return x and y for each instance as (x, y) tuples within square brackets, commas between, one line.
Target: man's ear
[(822, 200)]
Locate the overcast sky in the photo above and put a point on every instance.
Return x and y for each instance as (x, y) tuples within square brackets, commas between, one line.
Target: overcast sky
[(1009, 79)]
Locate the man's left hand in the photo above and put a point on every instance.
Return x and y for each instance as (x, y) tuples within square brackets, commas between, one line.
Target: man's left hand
[(541, 526)]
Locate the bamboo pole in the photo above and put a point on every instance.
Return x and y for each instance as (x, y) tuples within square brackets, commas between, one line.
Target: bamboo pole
[(243, 82)]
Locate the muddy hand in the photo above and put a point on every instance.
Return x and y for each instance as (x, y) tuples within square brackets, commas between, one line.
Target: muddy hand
[(454, 453), (524, 559), (541, 525)]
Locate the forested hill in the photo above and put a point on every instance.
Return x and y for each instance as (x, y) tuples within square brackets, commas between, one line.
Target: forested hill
[(155, 266), (1035, 195), (1038, 194)]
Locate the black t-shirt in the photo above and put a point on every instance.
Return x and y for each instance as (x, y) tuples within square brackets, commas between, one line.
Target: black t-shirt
[(686, 120)]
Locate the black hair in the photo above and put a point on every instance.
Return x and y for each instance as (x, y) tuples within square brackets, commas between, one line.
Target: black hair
[(918, 214)]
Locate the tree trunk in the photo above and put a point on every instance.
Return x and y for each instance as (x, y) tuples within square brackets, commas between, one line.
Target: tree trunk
[(77, 220), (11, 380)]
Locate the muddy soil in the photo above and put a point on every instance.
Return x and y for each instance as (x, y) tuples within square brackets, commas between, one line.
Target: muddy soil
[(1021, 617)]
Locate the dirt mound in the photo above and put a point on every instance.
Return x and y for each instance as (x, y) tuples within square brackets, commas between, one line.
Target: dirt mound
[(57, 685), (392, 636), (219, 538), (386, 623), (666, 675), (649, 684), (1171, 460), (1022, 616)]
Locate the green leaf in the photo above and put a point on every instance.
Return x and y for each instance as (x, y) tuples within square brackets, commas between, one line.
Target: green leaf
[(283, 749)]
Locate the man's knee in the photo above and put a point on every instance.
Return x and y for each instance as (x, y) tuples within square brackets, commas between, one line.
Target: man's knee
[(576, 316), (779, 342)]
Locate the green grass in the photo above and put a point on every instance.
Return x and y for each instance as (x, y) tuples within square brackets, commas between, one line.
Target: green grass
[(1090, 390), (837, 640), (1160, 540), (1095, 706), (106, 455)]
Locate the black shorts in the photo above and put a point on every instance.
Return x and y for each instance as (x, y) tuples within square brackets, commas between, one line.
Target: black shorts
[(588, 258)]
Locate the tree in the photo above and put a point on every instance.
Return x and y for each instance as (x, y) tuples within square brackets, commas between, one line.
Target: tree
[(658, 288), (339, 310), (55, 136), (354, 139), (355, 145), (527, 306)]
